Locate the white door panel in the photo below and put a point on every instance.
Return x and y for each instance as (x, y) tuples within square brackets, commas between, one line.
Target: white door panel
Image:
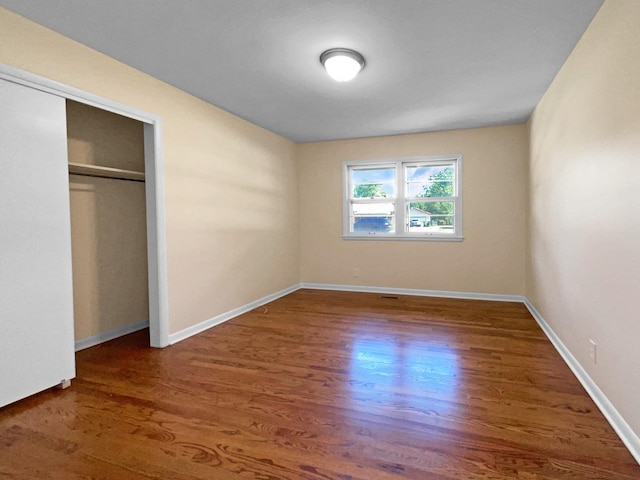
[(36, 298)]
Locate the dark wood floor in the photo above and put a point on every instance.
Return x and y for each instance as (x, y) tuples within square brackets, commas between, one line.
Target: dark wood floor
[(323, 385)]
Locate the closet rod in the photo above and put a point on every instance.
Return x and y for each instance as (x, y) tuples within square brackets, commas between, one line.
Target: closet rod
[(105, 172)]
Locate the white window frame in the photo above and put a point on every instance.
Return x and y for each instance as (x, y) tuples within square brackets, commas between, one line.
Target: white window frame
[(400, 200)]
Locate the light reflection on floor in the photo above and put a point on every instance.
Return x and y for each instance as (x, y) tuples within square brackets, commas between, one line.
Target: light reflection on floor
[(408, 374)]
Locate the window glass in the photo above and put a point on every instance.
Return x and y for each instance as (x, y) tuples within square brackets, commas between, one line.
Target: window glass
[(426, 206), (374, 224), (373, 217), (434, 217), (379, 182), (430, 180)]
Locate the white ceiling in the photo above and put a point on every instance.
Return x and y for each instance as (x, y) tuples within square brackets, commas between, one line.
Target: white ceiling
[(431, 64)]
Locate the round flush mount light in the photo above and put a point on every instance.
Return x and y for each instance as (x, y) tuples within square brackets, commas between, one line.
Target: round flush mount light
[(342, 64)]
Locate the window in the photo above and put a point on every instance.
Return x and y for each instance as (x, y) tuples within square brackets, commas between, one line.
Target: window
[(406, 199)]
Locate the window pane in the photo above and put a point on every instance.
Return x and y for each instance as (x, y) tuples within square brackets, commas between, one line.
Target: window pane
[(430, 180), (373, 224), (372, 217), (375, 182), (430, 217)]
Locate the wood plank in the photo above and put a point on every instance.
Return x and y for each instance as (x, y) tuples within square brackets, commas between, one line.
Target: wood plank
[(324, 385)]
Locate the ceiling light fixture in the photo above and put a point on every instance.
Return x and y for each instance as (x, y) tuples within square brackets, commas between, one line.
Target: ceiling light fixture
[(342, 64)]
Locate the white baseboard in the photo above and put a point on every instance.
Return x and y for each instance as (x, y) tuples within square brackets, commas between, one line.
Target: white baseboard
[(102, 337), (420, 293), (224, 317), (621, 427)]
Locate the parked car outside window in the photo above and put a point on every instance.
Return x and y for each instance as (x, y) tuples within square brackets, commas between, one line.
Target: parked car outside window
[(372, 224)]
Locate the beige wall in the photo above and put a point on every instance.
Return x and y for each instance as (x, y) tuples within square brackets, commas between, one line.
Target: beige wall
[(491, 258), (231, 194), (108, 231), (583, 270)]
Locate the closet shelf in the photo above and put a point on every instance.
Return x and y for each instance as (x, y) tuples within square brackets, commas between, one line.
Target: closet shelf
[(106, 172)]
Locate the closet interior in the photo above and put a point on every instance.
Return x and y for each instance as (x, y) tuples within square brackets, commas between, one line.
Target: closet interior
[(108, 223)]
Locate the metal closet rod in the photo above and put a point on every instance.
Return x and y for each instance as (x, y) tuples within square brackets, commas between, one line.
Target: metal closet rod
[(105, 172)]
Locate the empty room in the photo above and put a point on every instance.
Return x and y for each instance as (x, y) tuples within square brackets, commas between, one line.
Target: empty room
[(295, 239)]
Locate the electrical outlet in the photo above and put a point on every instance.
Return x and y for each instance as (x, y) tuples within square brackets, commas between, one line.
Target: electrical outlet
[(592, 351), (356, 272)]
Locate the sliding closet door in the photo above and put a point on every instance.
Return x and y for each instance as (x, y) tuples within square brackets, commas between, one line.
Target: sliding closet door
[(36, 300)]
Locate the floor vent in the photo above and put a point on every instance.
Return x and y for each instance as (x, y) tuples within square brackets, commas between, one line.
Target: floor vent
[(391, 297)]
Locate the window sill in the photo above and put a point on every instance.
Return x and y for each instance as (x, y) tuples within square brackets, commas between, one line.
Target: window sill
[(404, 238)]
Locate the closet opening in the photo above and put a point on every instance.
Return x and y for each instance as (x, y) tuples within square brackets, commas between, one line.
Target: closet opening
[(108, 224)]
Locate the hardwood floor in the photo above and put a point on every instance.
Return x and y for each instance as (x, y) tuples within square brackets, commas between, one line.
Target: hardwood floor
[(323, 385)]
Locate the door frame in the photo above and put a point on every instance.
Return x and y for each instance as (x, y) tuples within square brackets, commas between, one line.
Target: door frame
[(154, 189)]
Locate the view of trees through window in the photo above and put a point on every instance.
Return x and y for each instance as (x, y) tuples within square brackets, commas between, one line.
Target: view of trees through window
[(440, 184), (369, 191)]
